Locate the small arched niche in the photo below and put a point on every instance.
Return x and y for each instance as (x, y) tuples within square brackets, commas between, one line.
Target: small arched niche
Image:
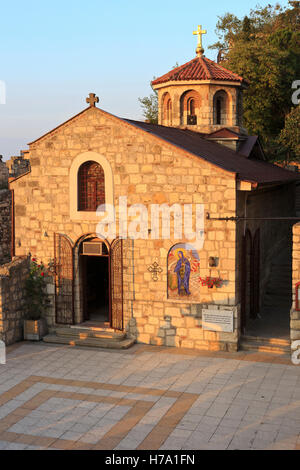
[(167, 110), (221, 108), (190, 108)]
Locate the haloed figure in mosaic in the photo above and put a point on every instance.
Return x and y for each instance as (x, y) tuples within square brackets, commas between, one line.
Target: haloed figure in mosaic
[(183, 270)]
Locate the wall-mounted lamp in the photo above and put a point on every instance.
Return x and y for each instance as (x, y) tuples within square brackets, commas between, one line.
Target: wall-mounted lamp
[(46, 235), (19, 242), (213, 262)]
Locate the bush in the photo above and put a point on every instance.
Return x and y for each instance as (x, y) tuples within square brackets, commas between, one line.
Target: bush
[(36, 297)]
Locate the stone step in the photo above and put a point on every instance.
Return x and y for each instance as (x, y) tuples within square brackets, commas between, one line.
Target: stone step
[(99, 333), (281, 282), (89, 342), (278, 274), (282, 267), (284, 279), (284, 294), (278, 304), (269, 341), (265, 349), (266, 345), (275, 298), (279, 290)]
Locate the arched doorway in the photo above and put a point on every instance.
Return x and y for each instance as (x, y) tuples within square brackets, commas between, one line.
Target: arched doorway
[(94, 280), (89, 281)]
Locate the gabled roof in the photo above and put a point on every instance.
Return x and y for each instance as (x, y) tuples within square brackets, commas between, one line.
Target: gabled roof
[(199, 68), (246, 169), (248, 145), (225, 133)]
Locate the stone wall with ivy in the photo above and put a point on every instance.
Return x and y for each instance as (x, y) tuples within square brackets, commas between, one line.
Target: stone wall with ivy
[(12, 281)]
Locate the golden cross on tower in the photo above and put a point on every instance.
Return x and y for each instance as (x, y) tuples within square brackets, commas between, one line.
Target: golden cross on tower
[(199, 33), (93, 99)]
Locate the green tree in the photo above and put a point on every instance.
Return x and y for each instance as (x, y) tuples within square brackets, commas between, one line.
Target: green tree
[(264, 48), (290, 135), (149, 106), (36, 297)]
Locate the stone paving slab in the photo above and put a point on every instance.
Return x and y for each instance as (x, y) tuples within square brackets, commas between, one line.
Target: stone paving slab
[(58, 397)]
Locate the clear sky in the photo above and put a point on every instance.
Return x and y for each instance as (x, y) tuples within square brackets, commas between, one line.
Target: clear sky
[(52, 54)]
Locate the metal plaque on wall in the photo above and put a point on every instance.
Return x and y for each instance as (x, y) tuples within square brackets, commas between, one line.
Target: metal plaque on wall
[(217, 320)]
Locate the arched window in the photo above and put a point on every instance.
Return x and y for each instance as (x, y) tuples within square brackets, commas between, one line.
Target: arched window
[(190, 103), (220, 108), (169, 111), (191, 107), (91, 186)]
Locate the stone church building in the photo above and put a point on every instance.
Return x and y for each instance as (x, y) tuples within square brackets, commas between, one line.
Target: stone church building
[(159, 290)]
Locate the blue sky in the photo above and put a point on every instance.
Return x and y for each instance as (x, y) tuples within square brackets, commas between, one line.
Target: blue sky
[(52, 54)]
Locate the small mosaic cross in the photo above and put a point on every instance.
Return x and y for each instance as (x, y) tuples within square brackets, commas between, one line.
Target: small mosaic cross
[(155, 269), (92, 100)]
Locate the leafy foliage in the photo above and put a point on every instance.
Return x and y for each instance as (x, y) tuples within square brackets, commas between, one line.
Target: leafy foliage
[(150, 107), (264, 48), (290, 135), (36, 297)]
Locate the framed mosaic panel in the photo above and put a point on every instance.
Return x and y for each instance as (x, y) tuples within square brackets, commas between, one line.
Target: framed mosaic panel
[(183, 272)]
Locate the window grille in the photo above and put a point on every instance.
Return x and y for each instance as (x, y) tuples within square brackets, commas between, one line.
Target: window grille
[(91, 186)]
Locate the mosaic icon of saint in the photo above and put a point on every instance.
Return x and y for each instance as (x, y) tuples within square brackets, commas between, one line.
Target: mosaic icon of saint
[(183, 271)]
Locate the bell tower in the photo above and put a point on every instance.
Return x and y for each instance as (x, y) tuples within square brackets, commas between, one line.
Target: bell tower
[(201, 95)]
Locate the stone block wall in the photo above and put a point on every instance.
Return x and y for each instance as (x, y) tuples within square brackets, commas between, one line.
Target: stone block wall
[(5, 226), (295, 315), (12, 280)]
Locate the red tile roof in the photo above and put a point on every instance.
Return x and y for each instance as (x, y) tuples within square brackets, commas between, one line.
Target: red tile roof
[(223, 133), (200, 68)]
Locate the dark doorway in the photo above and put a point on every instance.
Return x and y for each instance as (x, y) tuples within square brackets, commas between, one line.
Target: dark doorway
[(250, 285), (95, 270)]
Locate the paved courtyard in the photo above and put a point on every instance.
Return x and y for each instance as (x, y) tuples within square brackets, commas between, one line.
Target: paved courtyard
[(61, 397)]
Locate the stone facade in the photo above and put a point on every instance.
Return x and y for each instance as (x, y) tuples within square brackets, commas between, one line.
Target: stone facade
[(204, 96), (12, 279), (295, 315), (5, 226), (148, 171)]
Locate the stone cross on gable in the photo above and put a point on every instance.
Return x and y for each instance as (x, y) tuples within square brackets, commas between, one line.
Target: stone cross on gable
[(92, 100)]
